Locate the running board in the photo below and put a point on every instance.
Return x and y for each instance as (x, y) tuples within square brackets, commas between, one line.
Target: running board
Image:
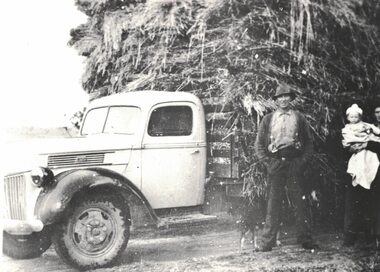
[(187, 219)]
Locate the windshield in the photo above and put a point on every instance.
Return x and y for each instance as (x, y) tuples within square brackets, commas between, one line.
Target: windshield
[(117, 119)]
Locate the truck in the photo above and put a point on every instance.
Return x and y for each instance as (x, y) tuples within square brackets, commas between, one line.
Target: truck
[(142, 156)]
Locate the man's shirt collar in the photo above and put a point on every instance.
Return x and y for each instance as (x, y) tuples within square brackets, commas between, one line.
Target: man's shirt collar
[(282, 112)]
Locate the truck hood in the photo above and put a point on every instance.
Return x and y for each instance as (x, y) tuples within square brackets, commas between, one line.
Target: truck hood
[(91, 150)]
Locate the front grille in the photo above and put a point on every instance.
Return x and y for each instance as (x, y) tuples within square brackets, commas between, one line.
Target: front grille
[(75, 159), (15, 197)]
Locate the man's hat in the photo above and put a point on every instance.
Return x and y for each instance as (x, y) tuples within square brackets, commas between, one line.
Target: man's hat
[(283, 89)]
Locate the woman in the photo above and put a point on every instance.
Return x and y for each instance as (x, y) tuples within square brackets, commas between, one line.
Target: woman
[(362, 206), (375, 187)]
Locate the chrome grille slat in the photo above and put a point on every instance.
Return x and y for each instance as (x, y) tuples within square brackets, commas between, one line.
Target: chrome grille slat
[(6, 198), (68, 158), (20, 196), (15, 197), (75, 159), (14, 188), (12, 198)]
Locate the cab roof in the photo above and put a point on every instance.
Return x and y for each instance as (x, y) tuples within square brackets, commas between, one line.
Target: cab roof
[(144, 99)]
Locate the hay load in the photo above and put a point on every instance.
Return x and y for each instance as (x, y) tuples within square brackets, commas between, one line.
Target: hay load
[(239, 50)]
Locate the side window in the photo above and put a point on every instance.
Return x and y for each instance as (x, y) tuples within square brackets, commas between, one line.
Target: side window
[(171, 121)]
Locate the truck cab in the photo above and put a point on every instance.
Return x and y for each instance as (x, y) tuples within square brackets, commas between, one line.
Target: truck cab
[(147, 146), (157, 140)]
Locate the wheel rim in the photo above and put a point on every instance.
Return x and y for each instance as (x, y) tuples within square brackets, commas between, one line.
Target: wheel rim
[(94, 231)]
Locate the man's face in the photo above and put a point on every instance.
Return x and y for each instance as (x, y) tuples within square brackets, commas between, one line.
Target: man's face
[(377, 114), (283, 101)]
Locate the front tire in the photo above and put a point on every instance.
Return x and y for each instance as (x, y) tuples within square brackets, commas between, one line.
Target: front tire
[(26, 246), (94, 233)]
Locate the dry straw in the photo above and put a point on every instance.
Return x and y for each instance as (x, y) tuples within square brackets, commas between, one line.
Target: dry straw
[(327, 50)]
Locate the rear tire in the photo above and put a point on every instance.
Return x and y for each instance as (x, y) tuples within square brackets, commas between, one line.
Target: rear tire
[(94, 233), (26, 246)]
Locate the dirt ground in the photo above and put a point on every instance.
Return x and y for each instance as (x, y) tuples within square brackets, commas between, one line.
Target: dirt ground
[(216, 247)]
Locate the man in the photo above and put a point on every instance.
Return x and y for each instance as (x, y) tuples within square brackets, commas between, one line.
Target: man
[(284, 144)]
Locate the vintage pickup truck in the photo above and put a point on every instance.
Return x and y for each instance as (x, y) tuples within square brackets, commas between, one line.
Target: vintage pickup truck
[(137, 150)]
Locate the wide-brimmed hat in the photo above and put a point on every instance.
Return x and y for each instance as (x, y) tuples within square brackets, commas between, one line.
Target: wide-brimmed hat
[(283, 89)]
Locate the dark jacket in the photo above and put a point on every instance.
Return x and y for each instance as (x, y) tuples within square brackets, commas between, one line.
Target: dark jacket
[(263, 138)]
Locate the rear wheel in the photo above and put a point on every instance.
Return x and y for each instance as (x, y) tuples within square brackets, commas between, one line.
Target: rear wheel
[(26, 246), (94, 233)]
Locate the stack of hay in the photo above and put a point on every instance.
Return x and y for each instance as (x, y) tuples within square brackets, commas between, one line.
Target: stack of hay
[(239, 50)]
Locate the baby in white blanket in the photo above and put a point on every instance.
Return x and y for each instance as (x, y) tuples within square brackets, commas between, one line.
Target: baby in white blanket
[(362, 165)]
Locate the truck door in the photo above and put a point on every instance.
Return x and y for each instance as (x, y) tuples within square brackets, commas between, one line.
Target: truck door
[(174, 156)]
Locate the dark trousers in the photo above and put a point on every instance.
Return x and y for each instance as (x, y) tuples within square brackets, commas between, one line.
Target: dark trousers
[(357, 215), (287, 173), (375, 205), (362, 206), (375, 193)]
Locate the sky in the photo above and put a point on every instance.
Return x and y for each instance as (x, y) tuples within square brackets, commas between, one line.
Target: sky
[(40, 74)]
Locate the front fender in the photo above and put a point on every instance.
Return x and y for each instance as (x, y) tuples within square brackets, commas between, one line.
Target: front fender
[(52, 203)]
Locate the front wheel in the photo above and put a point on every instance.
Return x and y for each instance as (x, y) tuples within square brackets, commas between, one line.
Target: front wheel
[(94, 233), (26, 246)]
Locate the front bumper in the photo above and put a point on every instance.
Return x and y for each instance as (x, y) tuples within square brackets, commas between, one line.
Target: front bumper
[(22, 227)]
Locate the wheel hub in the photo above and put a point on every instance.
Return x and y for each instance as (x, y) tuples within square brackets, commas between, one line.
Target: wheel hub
[(94, 231)]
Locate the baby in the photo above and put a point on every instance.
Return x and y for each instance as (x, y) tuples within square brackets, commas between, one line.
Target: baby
[(362, 165)]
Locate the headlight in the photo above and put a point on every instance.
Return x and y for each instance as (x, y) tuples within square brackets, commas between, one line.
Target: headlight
[(42, 176)]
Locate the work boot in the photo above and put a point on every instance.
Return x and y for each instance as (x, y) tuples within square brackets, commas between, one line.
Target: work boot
[(349, 239), (262, 248), (369, 238), (310, 245)]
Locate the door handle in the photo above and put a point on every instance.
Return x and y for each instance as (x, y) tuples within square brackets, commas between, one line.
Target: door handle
[(195, 151)]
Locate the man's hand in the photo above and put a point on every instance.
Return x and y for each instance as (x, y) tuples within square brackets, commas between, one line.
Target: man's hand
[(314, 196)]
